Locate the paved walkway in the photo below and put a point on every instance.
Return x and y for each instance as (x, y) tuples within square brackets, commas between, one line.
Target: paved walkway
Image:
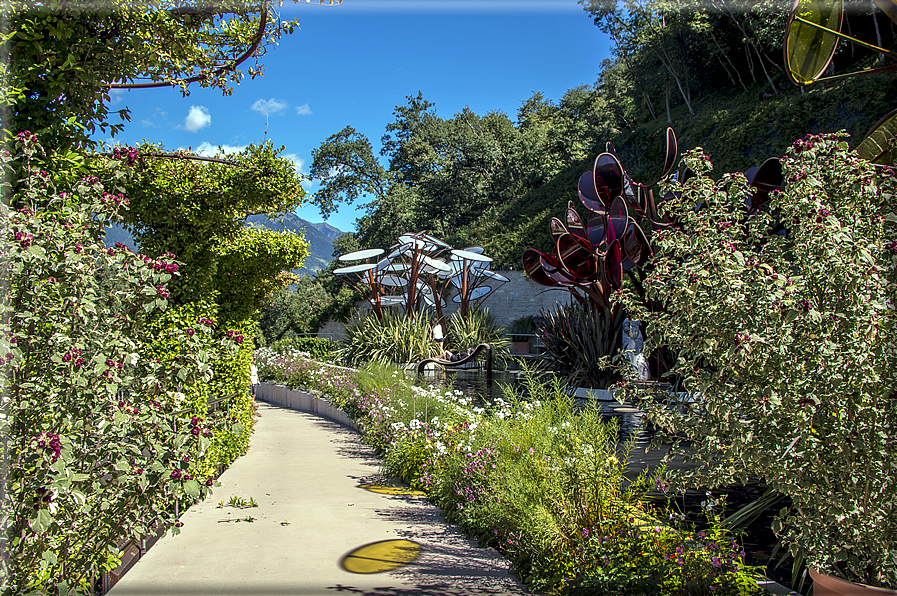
[(306, 473)]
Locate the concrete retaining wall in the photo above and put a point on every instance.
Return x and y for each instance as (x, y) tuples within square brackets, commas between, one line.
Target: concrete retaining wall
[(302, 401)]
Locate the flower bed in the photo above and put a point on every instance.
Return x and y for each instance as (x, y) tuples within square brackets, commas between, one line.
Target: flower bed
[(540, 482)]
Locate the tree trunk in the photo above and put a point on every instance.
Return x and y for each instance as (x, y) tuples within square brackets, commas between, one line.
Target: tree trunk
[(881, 57), (666, 95), (668, 65), (763, 66), (726, 56), (650, 105)]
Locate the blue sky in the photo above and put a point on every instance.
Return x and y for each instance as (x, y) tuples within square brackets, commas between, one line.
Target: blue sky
[(352, 64)]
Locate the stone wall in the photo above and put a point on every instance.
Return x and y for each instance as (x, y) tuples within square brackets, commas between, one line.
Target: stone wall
[(520, 297)]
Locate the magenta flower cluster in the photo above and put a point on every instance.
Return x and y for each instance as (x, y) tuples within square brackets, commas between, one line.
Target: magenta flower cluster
[(126, 154), (49, 443), (73, 356)]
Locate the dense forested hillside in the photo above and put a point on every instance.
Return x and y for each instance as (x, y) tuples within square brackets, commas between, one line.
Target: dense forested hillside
[(713, 70)]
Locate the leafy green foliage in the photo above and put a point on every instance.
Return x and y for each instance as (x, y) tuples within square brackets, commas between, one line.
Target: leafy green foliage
[(784, 322), (94, 449), (446, 174), (523, 325), (197, 210), (399, 338), (348, 169), (60, 58), (252, 266), (294, 311), (226, 375), (623, 559)]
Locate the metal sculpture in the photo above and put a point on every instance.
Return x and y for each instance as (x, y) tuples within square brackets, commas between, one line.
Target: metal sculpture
[(812, 35), (591, 257), (811, 39), (419, 272)]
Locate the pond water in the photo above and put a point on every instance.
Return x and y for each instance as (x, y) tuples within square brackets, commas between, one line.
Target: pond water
[(759, 540)]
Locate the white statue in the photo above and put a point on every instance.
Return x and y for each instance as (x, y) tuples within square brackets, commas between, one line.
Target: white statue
[(633, 347)]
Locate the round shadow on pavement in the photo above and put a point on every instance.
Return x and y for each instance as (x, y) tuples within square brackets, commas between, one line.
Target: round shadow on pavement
[(377, 557)]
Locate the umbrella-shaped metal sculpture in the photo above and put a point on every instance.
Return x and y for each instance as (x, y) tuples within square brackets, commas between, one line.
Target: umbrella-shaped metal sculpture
[(419, 272), (364, 275)]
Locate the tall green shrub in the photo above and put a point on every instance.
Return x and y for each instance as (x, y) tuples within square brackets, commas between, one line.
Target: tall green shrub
[(87, 464), (394, 338), (785, 325), (228, 370)]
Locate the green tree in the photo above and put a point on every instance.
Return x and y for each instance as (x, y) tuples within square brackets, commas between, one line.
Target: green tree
[(294, 311), (60, 59), (253, 265), (443, 174), (347, 168), (196, 209)]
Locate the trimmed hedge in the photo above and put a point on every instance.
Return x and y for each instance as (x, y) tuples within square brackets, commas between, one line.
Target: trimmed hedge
[(318, 347)]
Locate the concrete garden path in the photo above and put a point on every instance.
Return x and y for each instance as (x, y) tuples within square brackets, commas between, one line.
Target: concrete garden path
[(306, 474)]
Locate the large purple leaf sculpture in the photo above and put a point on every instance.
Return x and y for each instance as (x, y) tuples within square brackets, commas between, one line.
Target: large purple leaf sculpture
[(592, 253)]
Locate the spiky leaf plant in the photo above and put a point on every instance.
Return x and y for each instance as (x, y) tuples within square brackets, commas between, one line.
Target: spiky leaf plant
[(581, 342), (478, 327), (394, 338)]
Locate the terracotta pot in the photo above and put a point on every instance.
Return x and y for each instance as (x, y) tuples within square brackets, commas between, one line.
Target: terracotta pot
[(826, 585)]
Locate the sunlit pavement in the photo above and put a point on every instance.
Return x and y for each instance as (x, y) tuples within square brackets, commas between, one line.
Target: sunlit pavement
[(326, 523)]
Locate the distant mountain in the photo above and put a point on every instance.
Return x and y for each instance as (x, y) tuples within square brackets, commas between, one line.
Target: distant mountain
[(327, 229), (320, 238)]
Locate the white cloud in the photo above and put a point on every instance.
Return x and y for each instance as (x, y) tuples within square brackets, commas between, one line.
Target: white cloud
[(299, 166), (116, 96), (197, 119), (303, 110), (298, 162), (269, 106), (209, 150)]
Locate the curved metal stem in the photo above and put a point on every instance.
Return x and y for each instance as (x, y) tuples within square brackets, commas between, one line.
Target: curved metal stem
[(263, 23)]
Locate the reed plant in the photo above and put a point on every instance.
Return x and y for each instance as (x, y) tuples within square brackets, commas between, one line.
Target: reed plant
[(478, 327), (394, 338)]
